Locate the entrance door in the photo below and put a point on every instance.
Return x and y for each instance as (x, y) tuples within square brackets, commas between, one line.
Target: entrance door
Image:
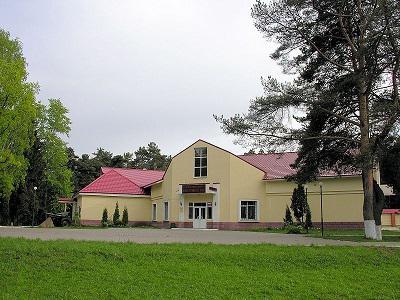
[(199, 217)]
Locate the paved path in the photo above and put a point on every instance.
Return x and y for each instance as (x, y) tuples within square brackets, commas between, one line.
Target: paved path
[(173, 236)]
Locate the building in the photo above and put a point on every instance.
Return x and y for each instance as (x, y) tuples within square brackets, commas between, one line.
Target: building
[(208, 187)]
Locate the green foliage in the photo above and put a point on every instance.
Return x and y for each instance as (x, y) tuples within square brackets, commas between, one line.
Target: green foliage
[(18, 111), (299, 203), (104, 218), (241, 271), (288, 220), (116, 216), (125, 218), (294, 229), (150, 158)]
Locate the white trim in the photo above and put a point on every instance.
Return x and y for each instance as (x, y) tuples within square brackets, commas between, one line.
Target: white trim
[(114, 195), (257, 219), (152, 212), (164, 219)]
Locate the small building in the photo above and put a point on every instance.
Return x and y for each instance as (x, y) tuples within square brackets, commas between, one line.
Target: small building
[(206, 186)]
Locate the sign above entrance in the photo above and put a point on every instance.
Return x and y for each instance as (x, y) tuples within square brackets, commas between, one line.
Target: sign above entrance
[(193, 188)]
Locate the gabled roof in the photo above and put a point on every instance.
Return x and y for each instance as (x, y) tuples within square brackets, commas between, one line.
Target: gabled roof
[(278, 165), (138, 176), (122, 181), (275, 165)]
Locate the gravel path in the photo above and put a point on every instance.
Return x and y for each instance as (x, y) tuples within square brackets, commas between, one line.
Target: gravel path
[(173, 236)]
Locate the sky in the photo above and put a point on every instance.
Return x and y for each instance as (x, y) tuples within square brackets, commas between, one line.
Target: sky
[(132, 72)]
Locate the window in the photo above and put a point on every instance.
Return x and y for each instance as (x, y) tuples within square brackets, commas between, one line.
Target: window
[(248, 210), (154, 212), (166, 211), (200, 209), (200, 162)]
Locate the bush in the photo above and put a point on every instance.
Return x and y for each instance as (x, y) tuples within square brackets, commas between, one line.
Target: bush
[(299, 203), (104, 218), (308, 223), (125, 218), (294, 229), (116, 220), (287, 220)]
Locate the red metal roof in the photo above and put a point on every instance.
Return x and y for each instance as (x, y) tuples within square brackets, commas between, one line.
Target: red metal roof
[(277, 165), (122, 181), (138, 176)]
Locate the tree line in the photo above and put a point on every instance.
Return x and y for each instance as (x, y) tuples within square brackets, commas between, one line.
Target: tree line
[(36, 165)]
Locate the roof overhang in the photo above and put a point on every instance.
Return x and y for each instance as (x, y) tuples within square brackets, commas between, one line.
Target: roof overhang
[(114, 195), (153, 183)]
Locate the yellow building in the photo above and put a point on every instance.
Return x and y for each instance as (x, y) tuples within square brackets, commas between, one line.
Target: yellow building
[(208, 187)]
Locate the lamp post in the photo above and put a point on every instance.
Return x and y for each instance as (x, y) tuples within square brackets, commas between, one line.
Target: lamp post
[(322, 215), (305, 207), (33, 206)]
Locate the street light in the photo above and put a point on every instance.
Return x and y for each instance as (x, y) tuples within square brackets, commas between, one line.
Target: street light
[(33, 206), (322, 216), (306, 188)]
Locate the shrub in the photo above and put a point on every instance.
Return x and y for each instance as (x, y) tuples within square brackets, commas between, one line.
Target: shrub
[(308, 223), (125, 217), (299, 203), (287, 220), (294, 229), (104, 218), (116, 220)]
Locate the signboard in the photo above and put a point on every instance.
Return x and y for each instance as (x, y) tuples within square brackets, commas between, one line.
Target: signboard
[(193, 188)]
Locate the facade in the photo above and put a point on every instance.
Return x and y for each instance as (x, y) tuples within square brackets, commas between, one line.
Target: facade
[(208, 187)]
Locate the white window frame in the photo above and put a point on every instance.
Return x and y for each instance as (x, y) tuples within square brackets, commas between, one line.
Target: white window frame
[(257, 211), (154, 215), (200, 167), (166, 219)]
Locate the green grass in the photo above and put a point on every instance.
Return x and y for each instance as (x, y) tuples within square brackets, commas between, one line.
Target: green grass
[(33, 269), (355, 235)]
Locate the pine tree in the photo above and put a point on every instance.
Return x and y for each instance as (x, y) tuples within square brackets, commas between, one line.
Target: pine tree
[(299, 203), (125, 218), (116, 220), (104, 218), (288, 220), (308, 223)]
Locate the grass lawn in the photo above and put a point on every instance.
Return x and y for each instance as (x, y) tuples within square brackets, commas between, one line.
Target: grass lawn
[(355, 235), (33, 269)]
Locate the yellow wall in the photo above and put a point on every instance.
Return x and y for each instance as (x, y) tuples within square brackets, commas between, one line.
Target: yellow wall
[(236, 178), (342, 199), (139, 208)]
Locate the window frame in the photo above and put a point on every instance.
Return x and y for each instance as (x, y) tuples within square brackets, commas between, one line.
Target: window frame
[(166, 212), (200, 167), (257, 212), (206, 205), (154, 212)]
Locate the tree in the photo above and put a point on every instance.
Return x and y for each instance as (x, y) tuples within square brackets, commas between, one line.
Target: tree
[(17, 114), (288, 220), (48, 168), (299, 204), (116, 220), (125, 218), (345, 98), (308, 223), (150, 158), (53, 123), (104, 218)]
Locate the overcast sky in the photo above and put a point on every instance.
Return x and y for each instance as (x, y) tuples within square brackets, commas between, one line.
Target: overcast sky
[(131, 72)]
